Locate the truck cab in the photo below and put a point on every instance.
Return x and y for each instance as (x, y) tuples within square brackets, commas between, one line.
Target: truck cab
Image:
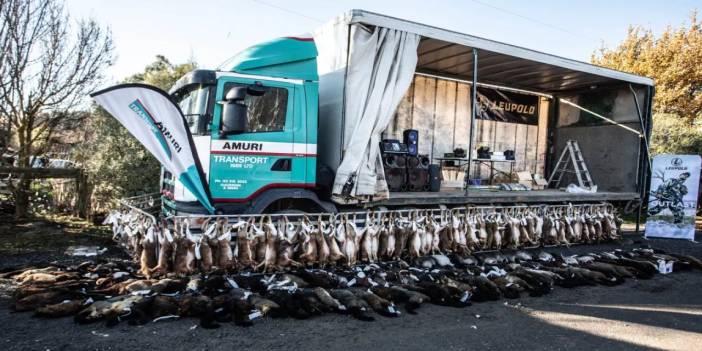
[(254, 125)]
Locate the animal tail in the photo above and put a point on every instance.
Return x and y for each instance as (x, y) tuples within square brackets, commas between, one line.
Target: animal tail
[(611, 281), (208, 321), (140, 318), (412, 306), (460, 304), (243, 321), (511, 293), (692, 261), (299, 313), (103, 292), (83, 317), (540, 291), (149, 272), (386, 312), (112, 319), (361, 315)]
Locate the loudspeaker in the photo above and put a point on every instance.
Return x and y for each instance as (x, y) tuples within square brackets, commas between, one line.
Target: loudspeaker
[(395, 167), (411, 138), (434, 178), (392, 146), (484, 152), (418, 173), (459, 152)]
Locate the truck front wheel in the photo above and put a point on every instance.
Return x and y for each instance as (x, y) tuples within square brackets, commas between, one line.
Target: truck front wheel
[(293, 206)]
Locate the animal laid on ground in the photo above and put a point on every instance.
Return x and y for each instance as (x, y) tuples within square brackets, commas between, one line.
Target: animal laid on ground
[(118, 290)]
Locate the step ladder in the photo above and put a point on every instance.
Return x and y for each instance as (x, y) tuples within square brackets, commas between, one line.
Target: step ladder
[(571, 155)]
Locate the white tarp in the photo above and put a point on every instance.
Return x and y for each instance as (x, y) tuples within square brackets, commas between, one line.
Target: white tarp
[(381, 65), (155, 121)]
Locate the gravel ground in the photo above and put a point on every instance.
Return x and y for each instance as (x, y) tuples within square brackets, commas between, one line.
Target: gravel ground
[(661, 313)]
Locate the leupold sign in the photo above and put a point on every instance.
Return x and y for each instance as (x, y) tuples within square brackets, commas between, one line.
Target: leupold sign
[(672, 203), (503, 106)]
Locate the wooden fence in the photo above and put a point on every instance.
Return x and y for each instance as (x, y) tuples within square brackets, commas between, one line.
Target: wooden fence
[(82, 191)]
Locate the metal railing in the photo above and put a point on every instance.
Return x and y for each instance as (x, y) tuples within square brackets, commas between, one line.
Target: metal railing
[(146, 205), (359, 217)]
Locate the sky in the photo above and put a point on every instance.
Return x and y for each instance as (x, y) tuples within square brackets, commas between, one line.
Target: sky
[(211, 31)]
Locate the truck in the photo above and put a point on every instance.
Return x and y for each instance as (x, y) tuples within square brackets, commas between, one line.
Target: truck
[(276, 125)]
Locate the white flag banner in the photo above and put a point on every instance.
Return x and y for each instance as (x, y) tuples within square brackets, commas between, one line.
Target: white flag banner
[(157, 122), (672, 202)]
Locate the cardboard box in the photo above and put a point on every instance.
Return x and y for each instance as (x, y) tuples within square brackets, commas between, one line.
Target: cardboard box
[(540, 182), (665, 267), (525, 178)]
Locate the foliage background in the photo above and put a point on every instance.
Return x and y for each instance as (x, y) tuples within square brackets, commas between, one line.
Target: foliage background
[(674, 61)]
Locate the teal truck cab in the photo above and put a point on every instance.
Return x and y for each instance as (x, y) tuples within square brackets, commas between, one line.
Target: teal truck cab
[(254, 125)]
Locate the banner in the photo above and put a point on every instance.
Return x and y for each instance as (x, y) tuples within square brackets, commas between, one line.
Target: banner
[(157, 122), (504, 106), (672, 201)]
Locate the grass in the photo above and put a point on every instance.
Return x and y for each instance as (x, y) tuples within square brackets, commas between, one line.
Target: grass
[(49, 233)]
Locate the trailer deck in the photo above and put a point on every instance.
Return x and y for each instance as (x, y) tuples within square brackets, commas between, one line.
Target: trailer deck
[(500, 197)]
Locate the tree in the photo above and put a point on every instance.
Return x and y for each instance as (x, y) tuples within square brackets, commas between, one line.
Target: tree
[(162, 73), (674, 61), (47, 67), (117, 164), (673, 135)]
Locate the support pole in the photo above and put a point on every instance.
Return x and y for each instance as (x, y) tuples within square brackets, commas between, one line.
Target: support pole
[(643, 127), (473, 105), (643, 170)]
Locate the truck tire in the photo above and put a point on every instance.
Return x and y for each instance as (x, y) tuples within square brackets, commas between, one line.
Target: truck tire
[(271, 200)]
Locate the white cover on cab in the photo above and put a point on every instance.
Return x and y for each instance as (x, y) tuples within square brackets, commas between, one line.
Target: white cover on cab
[(380, 65)]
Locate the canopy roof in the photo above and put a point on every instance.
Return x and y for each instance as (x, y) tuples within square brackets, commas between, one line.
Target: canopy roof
[(448, 53)]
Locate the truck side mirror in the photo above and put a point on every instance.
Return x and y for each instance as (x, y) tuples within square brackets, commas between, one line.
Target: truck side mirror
[(234, 111)]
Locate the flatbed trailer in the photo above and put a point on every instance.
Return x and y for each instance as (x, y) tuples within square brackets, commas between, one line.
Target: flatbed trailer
[(317, 107), (500, 197)]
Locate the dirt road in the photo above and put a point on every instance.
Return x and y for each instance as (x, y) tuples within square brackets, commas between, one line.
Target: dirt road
[(662, 313)]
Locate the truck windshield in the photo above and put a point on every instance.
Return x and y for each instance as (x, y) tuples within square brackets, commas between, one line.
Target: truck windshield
[(194, 106)]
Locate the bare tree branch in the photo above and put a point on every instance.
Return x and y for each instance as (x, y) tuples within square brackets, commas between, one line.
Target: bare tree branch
[(47, 68)]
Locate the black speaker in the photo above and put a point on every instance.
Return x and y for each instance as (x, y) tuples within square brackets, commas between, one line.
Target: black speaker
[(392, 146), (434, 178), (484, 152), (411, 138), (421, 161), (395, 167), (459, 152), (418, 173)]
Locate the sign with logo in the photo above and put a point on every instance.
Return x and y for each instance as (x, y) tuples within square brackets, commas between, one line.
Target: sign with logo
[(241, 168), (157, 123), (504, 106), (672, 202)]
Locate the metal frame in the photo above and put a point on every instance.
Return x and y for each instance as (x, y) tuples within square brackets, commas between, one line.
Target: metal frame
[(486, 85), (473, 105), (646, 127), (427, 31), (435, 212), (359, 217), (136, 203)]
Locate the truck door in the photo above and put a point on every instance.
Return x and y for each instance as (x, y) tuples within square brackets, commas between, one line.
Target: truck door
[(245, 164)]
